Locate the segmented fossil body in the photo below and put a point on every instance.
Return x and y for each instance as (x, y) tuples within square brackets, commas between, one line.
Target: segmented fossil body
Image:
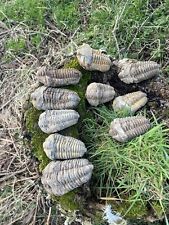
[(58, 77), (133, 71), (130, 102), (52, 121), (54, 98), (57, 146), (60, 177), (125, 129), (91, 59), (98, 93)]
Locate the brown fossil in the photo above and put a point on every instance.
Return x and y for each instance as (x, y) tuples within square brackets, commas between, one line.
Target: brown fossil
[(98, 93), (58, 77), (133, 71), (44, 98), (60, 177), (125, 129), (130, 102), (92, 59), (57, 146), (52, 121)]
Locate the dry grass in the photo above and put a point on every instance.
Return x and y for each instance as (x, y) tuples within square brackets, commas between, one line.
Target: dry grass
[(22, 200)]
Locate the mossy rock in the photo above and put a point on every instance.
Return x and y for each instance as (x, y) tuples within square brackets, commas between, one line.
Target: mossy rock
[(37, 137)]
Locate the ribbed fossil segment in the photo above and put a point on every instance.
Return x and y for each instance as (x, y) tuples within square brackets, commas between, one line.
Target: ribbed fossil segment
[(58, 77), (133, 71), (125, 129), (57, 146), (91, 59), (60, 177), (44, 98), (130, 102), (52, 121), (98, 93)]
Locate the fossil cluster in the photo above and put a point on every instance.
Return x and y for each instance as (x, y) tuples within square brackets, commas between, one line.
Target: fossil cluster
[(60, 177), (129, 71)]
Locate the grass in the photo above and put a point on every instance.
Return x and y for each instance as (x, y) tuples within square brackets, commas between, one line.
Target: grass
[(137, 29), (138, 169), (30, 12)]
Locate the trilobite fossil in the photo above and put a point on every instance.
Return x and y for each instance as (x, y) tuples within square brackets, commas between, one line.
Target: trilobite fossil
[(125, 129), (52, 121), (91, 59), (130, 102), (98, 93), (57, 146), (58, 77), (60, 177), (133, 71), (44, 98)]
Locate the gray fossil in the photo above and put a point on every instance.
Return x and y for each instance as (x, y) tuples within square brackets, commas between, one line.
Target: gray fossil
[(98, 93), (52, 121), (133, 71), (57, 146), (125, 129), (92, 59), (58, 77), (44, 98), (130, 102), (60, 177)]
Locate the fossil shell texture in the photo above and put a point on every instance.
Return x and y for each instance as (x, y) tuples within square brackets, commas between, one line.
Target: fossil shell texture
[(91, 59), (98, 93), (57, 146), (54, 98), (125, 129), (130, 102), (60, 177), (58, 77), (52, 121), (133, 71)]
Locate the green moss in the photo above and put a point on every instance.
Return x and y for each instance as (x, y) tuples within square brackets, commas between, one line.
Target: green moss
[(158, 210), (137, 210), (37, 136), (98, 219), (69, 201)]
